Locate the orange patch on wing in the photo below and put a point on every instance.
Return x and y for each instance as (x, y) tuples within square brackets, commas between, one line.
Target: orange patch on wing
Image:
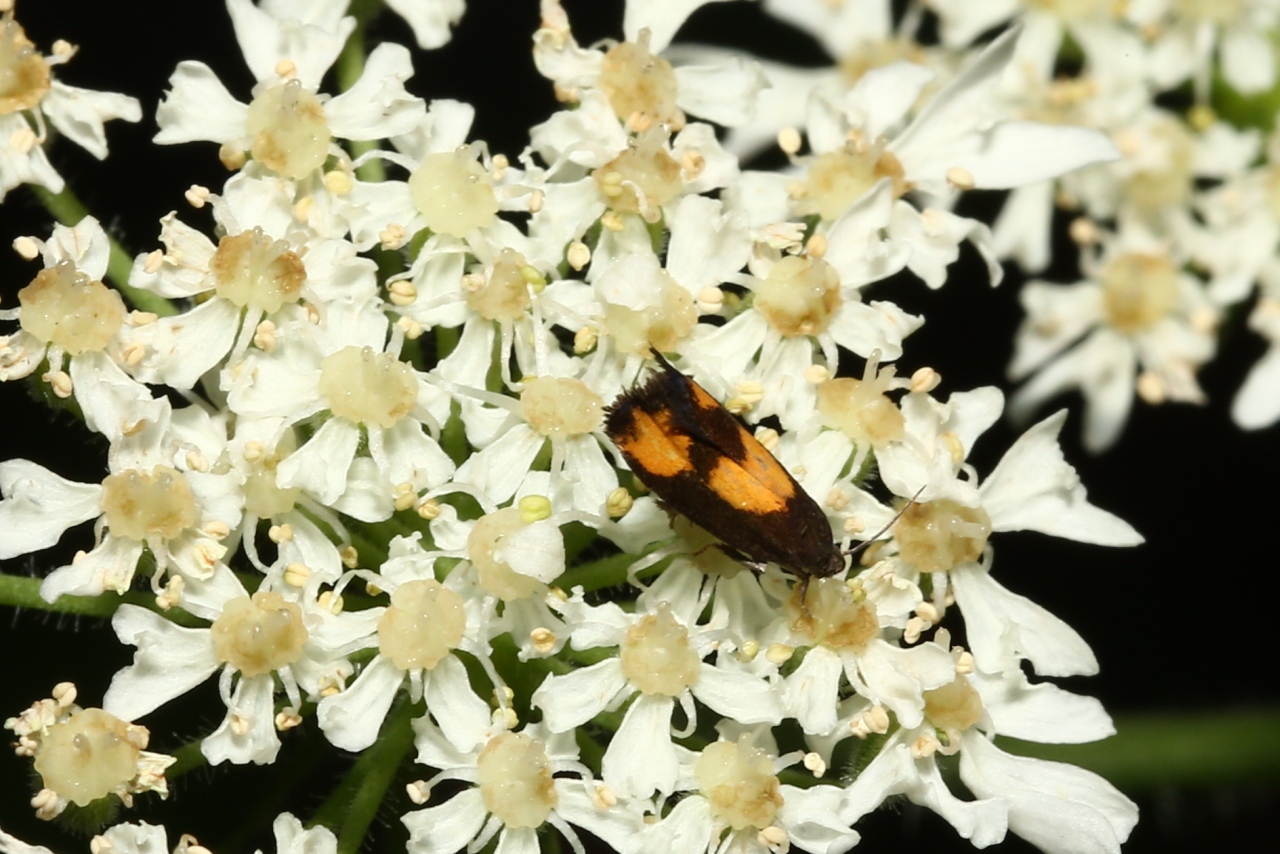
[(655, 445), (742, 488)]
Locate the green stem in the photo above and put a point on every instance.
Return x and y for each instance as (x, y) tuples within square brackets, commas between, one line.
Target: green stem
[(605, 572), (354, 804), (67, 209), (20, 591)]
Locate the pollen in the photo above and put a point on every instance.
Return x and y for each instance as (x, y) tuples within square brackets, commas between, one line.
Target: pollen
[(642, 178), (63, 307), (505, 294), (662, 324), (636, 81), (89, 755), (954, 707), (935, 536), (1166, 178), (738, 780), (24, 73), (289, 132), (860, 408), (423, 624), (143, 504), (260, 634), (657, 657), (837, 179), (561, 406), (453, 192), (514, 776), (836, 615), (1139, 290), (799, 296), (251, 270), (368, 387)]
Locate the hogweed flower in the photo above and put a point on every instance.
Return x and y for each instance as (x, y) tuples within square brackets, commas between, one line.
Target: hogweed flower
[(358, 469)]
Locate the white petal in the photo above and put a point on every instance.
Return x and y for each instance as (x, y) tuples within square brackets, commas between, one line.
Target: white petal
[(1001, 624), (461, 715), (498, 469), (199, 107), (569, 701), (321, 465), (430, 20), (181, 348), (897, 678), (725, 94), (882, 96), (812, 693), (739, 695), (661, 17), (293, 838), (1248, 60), (39, 506), (1015, 154), (640, 757), (1257, 404), (108, 566), (447, 828), (80, 113), (377, 105), (1042, 712), (958, 107), (170, 661), (252, 704), (811, 819), (1059, 808), (1022, 230), (1034, 488), (352, 718), (311, 45), (616, 826), (535, 550)]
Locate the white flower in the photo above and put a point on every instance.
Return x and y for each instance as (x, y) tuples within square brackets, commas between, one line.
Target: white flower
[(1188, 37), (642, 87), (143, 838), (661, 652), (153, 498), (945, 531), (85, 756), (734, 802), (71, 319), (1057, 807), (843, 633), (857, 36), (259, 276), (863, 162), (253, 640), (347, 366), (514, 794), (1162, 159), (416, 637), (288, 127), (32, 96), (1138, 322)]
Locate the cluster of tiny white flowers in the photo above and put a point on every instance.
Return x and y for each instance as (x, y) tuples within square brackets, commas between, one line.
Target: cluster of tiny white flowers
[(349, 487)]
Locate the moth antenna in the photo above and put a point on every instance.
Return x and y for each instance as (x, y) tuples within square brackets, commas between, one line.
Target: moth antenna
[(860, 547)]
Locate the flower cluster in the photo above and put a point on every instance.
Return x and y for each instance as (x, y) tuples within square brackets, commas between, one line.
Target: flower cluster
[(357, 452)]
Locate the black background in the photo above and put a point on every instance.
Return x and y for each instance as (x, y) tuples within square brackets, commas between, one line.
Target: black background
[(1184, 623)]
